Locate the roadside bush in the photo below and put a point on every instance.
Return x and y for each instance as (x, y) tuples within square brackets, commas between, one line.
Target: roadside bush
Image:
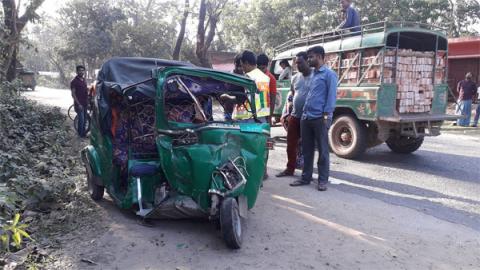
[(40, 170)]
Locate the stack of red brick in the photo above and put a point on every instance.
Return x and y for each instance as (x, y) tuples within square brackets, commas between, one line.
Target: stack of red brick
[(413, 73)]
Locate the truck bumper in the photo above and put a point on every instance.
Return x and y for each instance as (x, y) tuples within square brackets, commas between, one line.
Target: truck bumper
[(418, 125), (420, 117)]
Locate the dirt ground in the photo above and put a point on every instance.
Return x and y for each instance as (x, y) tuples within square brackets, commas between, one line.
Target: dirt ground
[(304, 229), (289, 228)]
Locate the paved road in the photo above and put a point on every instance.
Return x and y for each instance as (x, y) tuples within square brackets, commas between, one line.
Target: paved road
[(385, 211), (49, 96), (442, 179)]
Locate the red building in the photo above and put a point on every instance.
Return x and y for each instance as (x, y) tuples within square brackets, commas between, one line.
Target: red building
[(463, 57)]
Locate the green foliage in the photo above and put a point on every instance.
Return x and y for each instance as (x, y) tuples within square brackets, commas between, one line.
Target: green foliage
[(15, 231), (90, 31), (262, 25), (41, 175), (88, 27), (144, 31), (35, 168)]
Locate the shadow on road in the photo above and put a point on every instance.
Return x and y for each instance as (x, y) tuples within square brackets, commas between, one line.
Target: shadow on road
[(420, 199), (446, 165)]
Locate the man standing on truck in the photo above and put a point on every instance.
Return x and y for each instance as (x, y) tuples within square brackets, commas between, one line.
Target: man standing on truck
[(351, 18), (262, 64), (300, 90), (317, 118), (79, 89), (466, 92)]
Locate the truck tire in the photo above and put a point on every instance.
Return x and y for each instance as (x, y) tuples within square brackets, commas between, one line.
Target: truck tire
[(347, 137), (404, 145)]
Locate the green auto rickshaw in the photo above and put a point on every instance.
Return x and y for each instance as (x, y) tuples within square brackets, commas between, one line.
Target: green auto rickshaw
[(167, 141)]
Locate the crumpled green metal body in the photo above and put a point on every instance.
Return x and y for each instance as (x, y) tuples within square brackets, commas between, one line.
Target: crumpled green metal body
[(189, 168)]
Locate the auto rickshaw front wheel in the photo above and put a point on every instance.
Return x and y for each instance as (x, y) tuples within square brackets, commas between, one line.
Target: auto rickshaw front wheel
[(231, 223), (96, 191)]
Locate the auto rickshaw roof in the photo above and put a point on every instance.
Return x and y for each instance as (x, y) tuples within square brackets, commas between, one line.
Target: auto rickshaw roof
[(213, 74), (126, 71)]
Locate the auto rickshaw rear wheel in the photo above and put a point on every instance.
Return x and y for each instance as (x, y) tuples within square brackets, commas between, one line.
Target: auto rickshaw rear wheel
[(231, 223), (96, 191)]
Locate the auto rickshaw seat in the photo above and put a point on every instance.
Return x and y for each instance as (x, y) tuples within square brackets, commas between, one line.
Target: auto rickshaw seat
[(134, 127), (143, 170), (142, 121)]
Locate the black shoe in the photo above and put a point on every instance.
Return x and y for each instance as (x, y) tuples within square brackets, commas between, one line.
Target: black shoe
[(299, 183), (322, 186), (284, 173)]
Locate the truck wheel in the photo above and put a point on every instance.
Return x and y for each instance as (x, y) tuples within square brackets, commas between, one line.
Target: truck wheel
[(96, 191), (347, 137), (404, 145), (231, 223)]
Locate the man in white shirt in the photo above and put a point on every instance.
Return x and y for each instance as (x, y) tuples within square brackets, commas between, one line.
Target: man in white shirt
[(287, 70)]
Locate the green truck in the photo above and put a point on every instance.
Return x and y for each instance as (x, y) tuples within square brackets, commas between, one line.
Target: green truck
[(392, 84)]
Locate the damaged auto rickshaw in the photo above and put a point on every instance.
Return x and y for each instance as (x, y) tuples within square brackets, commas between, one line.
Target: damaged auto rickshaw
[(171, 141)]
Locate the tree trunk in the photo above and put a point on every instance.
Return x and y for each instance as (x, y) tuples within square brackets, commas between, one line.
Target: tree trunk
[(201, 51), (181, 34), (12, 67), (14, 25), (91, 64), (62, 77)]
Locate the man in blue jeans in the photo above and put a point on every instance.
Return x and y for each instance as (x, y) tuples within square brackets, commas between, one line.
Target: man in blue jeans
[(467, 90), (316, 118), (80, 99), (477, 112)]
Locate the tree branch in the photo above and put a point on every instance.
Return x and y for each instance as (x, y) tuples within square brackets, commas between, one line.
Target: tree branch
[(29, 14), (211, 32), (181, 34)]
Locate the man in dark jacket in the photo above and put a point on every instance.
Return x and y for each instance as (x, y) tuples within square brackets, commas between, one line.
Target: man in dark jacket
[(79, 89), (466, 92)]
